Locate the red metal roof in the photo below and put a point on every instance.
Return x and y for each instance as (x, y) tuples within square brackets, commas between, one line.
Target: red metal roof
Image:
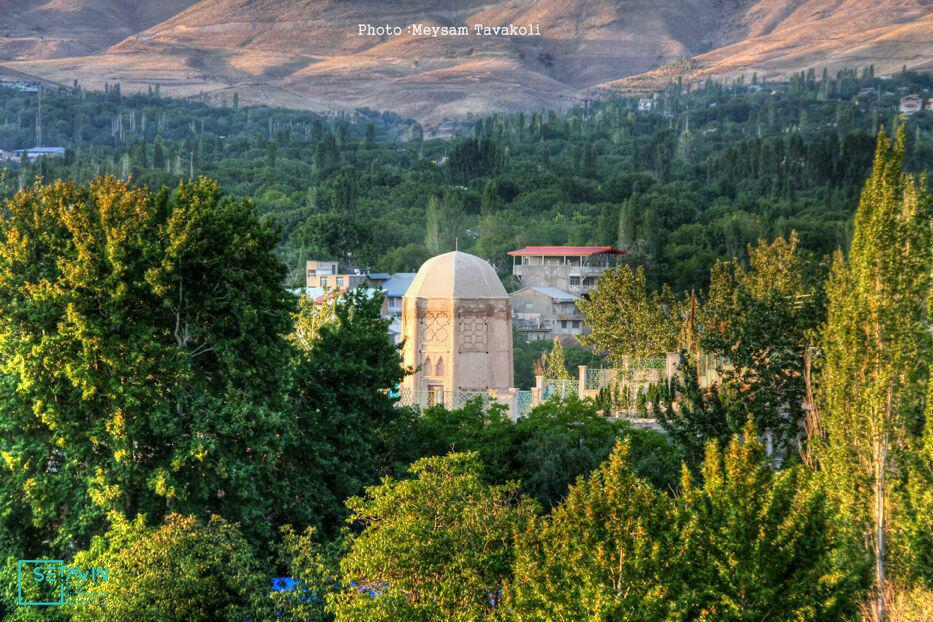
[(563, 251)]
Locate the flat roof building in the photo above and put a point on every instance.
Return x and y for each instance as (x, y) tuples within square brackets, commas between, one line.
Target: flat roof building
[(546, 313), (573, 269), (325, 275)]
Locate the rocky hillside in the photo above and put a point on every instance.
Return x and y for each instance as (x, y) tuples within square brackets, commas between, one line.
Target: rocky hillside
[(309, 53)]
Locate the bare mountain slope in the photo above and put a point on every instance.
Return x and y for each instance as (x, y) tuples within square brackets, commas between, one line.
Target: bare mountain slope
[(308, 53), (31, 29), (779, 37)]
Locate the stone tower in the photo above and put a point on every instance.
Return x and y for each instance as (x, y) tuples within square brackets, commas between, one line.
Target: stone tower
[(457, 327)]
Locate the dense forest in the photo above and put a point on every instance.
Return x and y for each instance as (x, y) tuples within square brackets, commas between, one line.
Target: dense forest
[(230, 451), (704, 172)]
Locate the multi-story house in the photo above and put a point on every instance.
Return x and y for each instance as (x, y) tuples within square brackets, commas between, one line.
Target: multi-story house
[(325, 275), (554, 278), (545, 313), (573, 269)]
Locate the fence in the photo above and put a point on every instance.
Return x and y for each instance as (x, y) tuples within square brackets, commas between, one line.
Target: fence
[(524, 403), (559, 388), (448, 399), (623, 387)]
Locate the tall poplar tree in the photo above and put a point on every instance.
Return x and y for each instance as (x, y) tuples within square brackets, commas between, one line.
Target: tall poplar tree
[(878, 351)]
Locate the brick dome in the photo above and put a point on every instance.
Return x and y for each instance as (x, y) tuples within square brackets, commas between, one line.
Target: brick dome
[(458, 276)]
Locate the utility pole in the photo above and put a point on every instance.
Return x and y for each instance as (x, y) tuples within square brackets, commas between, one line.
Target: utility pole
[(39, 120)]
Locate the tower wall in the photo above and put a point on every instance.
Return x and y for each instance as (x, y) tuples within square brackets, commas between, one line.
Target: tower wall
[(466, 345)]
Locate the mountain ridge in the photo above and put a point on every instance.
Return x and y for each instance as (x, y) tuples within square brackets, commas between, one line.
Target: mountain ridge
[(307, 53)]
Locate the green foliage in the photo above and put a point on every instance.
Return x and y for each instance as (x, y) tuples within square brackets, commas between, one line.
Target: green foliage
[(747, 544), (474, 158), (562, 440), (752, 164), (148, 363), (343, 367), (526, 357), (600, 553), (185, 570), (315, 569), (437, 431), (552, 364), (692, 415), (545, 451), (762, 319), (875, 406), (751, 542), (437, 546), (143, 336), (445, 222), (628, 321)]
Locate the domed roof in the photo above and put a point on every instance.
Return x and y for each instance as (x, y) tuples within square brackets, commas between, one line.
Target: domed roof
[(456, 275)]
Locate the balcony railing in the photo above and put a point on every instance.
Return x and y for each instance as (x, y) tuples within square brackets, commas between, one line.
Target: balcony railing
[(527, 325)]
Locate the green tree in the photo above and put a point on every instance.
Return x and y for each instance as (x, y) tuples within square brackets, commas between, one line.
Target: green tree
[(446, 221), (753, 543), (875, 406), (484, 429), (552, 364), (185, 570), (406, 258), (158, 154), (344, 366), (332, 234), (628, 321), (326, 155), (314, 569), (148, 375), (763, 319), (559, 441), (691, 415), (545, 451), (432, 237), (437, 546), (600, 554)]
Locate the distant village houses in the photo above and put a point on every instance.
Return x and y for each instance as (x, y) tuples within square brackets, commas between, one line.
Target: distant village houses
[(32, 154), (911, 104), (323, 278), (20, 85), (324, 275), (553, 279), (545, 313)]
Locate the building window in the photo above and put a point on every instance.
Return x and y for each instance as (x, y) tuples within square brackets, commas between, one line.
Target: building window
[(529, 306), (563, 323), (312, 272), (323, 281), (435, 394), (339, 282), (574, 281)]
